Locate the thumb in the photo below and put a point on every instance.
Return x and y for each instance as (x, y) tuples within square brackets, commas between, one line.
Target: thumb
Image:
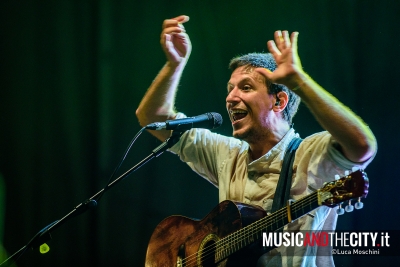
[(265, 72), (182, 18)]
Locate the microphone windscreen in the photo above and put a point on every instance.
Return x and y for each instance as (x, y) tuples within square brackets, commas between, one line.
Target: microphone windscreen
[(217, 119)]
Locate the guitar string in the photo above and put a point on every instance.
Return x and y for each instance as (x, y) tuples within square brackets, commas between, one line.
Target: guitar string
[(253, 228), (234, 240), (250, 230)]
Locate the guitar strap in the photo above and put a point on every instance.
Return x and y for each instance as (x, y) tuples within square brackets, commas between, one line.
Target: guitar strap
[(282, 192)]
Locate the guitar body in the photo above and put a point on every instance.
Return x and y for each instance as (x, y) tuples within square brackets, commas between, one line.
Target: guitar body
[(228, 235), (182, 242)]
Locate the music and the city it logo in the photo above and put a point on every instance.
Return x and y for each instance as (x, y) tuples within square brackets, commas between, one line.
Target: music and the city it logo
[(347, 243)]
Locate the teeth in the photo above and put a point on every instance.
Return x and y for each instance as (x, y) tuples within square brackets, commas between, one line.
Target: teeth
[(237, 111), (233, 112)]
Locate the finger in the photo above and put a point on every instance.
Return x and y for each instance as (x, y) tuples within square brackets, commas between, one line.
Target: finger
[(172, 30), (293, 39), (181, 36), (167, 42), (286, 39), (182, 19), (164, 39), (170, 23), (273, 49), (264, 72), (278, 36), (168, 45), (279, 41), (168, 39), (175, 21), (180, 25)]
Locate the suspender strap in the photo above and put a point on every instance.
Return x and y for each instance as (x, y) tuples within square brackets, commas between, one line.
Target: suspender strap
[(285, 178)]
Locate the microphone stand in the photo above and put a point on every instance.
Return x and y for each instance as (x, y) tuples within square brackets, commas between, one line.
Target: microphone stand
[(44, 235)]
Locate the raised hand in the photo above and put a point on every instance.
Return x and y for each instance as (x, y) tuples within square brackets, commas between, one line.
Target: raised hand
[(174, 40), (284, 50)]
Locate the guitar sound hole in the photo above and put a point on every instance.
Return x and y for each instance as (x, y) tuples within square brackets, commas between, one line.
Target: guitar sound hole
[(208, 255)]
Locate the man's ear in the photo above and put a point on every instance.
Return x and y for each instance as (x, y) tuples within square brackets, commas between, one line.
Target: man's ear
[(281, 101)]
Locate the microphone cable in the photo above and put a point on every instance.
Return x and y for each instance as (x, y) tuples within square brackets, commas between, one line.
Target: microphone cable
[(120, 163)]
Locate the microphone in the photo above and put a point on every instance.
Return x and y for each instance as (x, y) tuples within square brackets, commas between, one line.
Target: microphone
[(208, 120)]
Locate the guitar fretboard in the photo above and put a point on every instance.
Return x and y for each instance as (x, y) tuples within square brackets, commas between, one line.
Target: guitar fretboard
[(277, 220)]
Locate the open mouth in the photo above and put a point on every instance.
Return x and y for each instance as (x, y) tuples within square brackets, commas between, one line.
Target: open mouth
[(237, 114)]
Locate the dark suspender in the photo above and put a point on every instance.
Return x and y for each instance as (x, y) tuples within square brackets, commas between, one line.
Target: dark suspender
[(285, 178)]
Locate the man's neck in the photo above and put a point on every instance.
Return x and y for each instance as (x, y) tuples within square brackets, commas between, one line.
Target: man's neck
[(262, 146)]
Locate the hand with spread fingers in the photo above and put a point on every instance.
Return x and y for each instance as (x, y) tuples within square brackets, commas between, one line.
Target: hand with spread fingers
[(284, 51), (174, 40)]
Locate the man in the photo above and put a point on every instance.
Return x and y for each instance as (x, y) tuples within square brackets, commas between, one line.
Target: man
[(263, 95)]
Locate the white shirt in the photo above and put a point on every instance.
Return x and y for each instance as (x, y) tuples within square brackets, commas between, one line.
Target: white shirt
[(224, 161)]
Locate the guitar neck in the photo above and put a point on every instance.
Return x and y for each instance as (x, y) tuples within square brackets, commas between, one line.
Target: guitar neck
[(271, 223), (207, 242)]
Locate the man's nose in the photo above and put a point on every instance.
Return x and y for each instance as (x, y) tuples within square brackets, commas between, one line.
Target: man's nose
[(232, 97)]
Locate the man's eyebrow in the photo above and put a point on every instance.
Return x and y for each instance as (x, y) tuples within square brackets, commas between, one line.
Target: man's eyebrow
[(244, 80), (247, 79)]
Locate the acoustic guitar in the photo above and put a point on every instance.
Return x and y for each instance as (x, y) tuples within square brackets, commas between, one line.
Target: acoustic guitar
[(230, 234)]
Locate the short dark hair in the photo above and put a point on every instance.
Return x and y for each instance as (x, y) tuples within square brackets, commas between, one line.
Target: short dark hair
[(266, 60)]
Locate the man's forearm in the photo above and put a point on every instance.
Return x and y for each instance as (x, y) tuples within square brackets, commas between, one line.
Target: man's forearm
[(159, 101), (356, 140)]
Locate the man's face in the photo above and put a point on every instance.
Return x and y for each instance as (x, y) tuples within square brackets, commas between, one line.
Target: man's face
[(249, 105)]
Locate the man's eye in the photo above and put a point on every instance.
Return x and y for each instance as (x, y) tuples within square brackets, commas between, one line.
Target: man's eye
[(246, 87)]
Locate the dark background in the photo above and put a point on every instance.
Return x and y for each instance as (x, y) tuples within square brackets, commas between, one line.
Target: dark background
[(72, 74)]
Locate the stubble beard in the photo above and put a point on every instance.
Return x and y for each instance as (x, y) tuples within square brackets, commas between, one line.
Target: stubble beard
[(253, 135)]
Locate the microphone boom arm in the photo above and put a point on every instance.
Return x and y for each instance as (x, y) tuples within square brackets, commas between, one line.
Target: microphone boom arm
[(44, 235)]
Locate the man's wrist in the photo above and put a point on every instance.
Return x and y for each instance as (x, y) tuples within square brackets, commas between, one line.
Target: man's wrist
[(176, 66), (298, 81)]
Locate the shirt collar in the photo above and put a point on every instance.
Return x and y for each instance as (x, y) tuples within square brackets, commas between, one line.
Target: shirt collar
[(259, 164)]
